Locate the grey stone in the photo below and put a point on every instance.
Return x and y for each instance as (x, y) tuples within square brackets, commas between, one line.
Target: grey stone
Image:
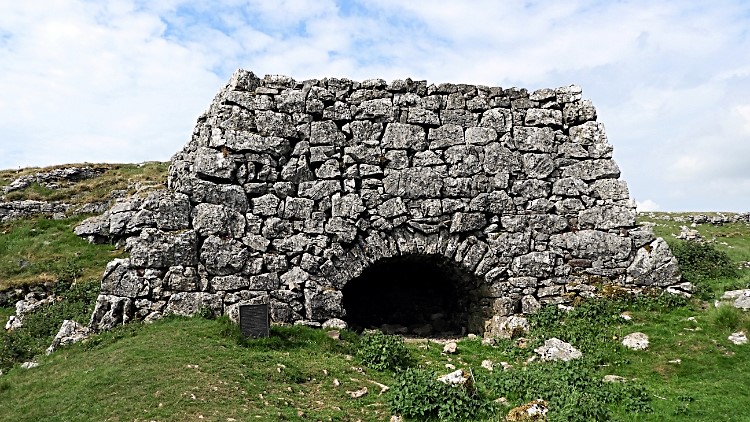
[(190, 303), (654, 265), (212, 163), (636, 341), (70, 332), (404, 136), (555, 349), (223, 256)]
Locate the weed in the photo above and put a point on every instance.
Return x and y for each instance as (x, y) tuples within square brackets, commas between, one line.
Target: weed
[(702, 261), (418, 394), (383, 351), (39, 327), (726, 317)]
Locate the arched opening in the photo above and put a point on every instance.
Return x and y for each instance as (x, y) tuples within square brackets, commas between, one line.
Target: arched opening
[(425, 295)]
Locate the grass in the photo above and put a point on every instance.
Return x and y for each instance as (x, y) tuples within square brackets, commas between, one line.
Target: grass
[(123, 177), (42, 250), (186, 369)]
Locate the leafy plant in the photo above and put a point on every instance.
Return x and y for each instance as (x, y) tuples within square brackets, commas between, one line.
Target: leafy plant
[(702, 261), (575, 391), (418, 394), (383, 351), (39, 327)]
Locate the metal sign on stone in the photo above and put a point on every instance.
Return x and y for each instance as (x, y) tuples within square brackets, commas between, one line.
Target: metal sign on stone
[(254, 320)]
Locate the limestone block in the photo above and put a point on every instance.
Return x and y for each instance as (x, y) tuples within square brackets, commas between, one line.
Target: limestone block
[(654, 265), (445, 136), (223, 256), (212, 163), (498, 119), (404, 136), (190, 303)]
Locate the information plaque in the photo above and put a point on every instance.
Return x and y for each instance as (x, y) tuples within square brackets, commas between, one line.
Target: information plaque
[(254, 320)]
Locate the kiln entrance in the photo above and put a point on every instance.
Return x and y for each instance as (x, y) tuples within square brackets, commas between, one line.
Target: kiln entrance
[(425, 295)]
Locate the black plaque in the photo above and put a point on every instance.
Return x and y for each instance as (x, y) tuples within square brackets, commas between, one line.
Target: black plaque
[(254, 320)]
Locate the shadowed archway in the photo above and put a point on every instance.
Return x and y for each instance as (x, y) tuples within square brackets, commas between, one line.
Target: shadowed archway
[(425, 295)]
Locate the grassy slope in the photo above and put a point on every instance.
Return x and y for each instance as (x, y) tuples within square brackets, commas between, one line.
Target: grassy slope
[(180, 368), (40, 250), (125, 177)]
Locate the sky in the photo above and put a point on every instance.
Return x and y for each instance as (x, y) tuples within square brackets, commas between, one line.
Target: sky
[(124, 81)]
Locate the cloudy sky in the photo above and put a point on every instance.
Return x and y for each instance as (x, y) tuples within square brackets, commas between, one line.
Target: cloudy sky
[(124, 81)]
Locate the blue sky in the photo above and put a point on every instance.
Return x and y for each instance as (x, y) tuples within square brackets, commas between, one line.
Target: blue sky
[(124, 81)]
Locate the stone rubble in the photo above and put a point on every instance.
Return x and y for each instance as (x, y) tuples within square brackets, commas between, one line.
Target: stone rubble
[(289, 190), (738, 338), (636, 341), (555, 349), (31, 302), (70, 332), (457, 377), (738, 298), (53, 179), (715, 219)]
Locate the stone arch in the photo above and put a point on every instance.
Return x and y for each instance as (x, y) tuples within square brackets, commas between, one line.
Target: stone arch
[(289, 190), (460, 264)]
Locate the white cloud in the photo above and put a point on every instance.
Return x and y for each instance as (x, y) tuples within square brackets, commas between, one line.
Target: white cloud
[(647, 206)]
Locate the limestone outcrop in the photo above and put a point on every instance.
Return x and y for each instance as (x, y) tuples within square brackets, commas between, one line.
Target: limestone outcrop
[(288, 192)]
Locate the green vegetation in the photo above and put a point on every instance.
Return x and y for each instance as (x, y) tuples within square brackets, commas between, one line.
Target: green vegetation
[(39, 328), (383, 352), (117, 177), (41, 250), (183, 368)]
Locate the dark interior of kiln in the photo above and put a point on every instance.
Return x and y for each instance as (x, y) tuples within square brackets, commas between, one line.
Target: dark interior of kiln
[(417, 294)]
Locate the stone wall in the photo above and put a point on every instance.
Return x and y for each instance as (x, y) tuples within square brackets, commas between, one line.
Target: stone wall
[(288, 191)]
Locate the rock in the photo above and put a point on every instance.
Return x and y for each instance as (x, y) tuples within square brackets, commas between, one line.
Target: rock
[(357, 393), (654, 266), (457, 377), (683, 289), (450, 348), (688, 234), (70, 332), (30, 303), (488, 365), (29, 365), (614, 378), (738, 298), (635, 341), (488, 341), (506, 326), (555, 349), (532, 411), (738, 338), (335, 324)]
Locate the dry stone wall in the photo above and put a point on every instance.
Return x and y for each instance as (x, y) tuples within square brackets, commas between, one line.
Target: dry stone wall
[(290, 190)]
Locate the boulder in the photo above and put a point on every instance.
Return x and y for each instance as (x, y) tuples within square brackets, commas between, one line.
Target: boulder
[(555, 349), (70, 332), (635, 341)]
